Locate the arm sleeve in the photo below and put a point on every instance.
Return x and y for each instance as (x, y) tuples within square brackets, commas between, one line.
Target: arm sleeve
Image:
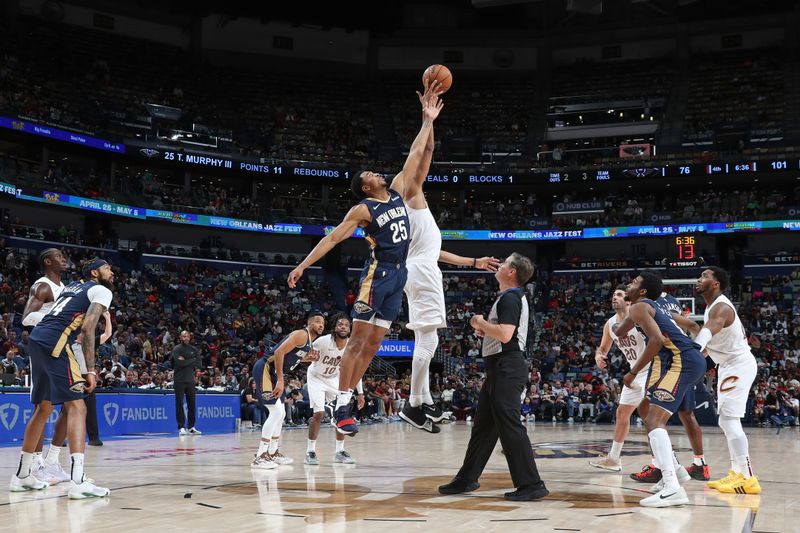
[(509, 309), (360, 386), (101, 295)]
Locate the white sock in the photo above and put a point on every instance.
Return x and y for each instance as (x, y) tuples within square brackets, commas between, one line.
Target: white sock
[(744, 467), (738, 447), (312, 446), (616, 450), (662, 447), (52, 454), (699, 460), (262, 447), (273, 445), (24, 469), (653, 461), (76, 468), (343, 398), (425, 342), (339, 446), (37, 460)]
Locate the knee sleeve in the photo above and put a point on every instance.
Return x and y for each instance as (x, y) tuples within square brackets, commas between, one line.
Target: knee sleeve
[(731, 426), (425, 343)]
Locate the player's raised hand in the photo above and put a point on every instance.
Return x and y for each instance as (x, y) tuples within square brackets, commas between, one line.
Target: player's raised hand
[(431, 107), (432, 88), (294, 276), (488, 263)]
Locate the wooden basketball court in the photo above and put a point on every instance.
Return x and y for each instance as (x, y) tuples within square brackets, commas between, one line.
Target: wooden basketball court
[(172, 483)]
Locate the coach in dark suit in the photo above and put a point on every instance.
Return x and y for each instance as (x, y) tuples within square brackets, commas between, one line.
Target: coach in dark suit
[(185, 359), (498, 415)]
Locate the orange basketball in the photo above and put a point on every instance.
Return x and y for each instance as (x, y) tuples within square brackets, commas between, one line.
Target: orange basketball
[(439, 73)]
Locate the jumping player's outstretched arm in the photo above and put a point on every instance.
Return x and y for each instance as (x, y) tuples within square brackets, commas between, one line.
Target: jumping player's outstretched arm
[(40, 294), (642, 314), (357, 215), (412, 169), (484, 263), (601, 355), (412, 186)]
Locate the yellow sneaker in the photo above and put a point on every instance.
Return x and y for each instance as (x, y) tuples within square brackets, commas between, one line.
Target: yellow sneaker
[(742, 486), (724, 481)]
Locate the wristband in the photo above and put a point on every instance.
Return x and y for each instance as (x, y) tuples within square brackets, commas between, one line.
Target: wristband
[(703, 337), (474, 262), (92, 373)]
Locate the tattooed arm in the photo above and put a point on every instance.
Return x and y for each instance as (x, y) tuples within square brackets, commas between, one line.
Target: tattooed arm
[(90, 320)]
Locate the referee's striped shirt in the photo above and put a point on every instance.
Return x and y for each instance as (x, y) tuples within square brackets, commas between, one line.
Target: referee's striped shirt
[(511, 307)]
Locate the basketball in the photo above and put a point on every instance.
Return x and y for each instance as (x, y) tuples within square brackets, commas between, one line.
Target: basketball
[(439, 73)]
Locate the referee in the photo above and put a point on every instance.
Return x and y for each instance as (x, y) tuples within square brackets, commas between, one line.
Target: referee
[(504, 337)]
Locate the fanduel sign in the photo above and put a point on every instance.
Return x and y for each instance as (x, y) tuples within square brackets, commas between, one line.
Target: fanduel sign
[(396, 349)]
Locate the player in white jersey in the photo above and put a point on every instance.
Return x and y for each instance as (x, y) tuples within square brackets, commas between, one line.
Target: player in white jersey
[(724, 338), (41, 298), (425, 293), (632, 346), (323, 385)]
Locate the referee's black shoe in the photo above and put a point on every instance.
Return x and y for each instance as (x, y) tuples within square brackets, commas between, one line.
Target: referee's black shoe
[(416, 417), (459, 485), (527, 493)]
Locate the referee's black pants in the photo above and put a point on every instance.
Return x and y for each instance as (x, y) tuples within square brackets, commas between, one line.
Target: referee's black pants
[(498, 415), (187, 389)]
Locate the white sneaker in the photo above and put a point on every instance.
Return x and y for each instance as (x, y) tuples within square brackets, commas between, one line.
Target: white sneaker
[(26, 483), (41, 473), (311, 458), (195, 431), (660, 499), (56, 472), (278, 458), (682, 475), (606, 463), (344, 457), (86, 490), (570, 420), (183, 431), (263, 462)]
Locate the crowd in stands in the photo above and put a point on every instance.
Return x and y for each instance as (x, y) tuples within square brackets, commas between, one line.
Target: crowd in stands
[(742, 89), (236, 316)]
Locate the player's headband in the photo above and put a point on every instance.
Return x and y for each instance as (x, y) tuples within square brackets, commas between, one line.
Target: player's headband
[(94, 265)]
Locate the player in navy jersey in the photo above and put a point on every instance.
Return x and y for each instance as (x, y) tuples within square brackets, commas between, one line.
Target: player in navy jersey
[(383, 216), (268, 373), (677, 365), (57, 378), (698, 470)]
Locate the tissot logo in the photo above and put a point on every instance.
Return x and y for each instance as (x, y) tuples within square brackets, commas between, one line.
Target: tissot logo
[(111, 412), (9, 413)]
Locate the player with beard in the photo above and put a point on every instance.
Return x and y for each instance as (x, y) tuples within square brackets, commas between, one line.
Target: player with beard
[(323, 385), (632, 346), (677, 366), (725, 339), (57, 377)]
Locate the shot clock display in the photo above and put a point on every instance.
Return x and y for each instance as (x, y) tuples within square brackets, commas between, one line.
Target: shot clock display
[(685, 248)]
